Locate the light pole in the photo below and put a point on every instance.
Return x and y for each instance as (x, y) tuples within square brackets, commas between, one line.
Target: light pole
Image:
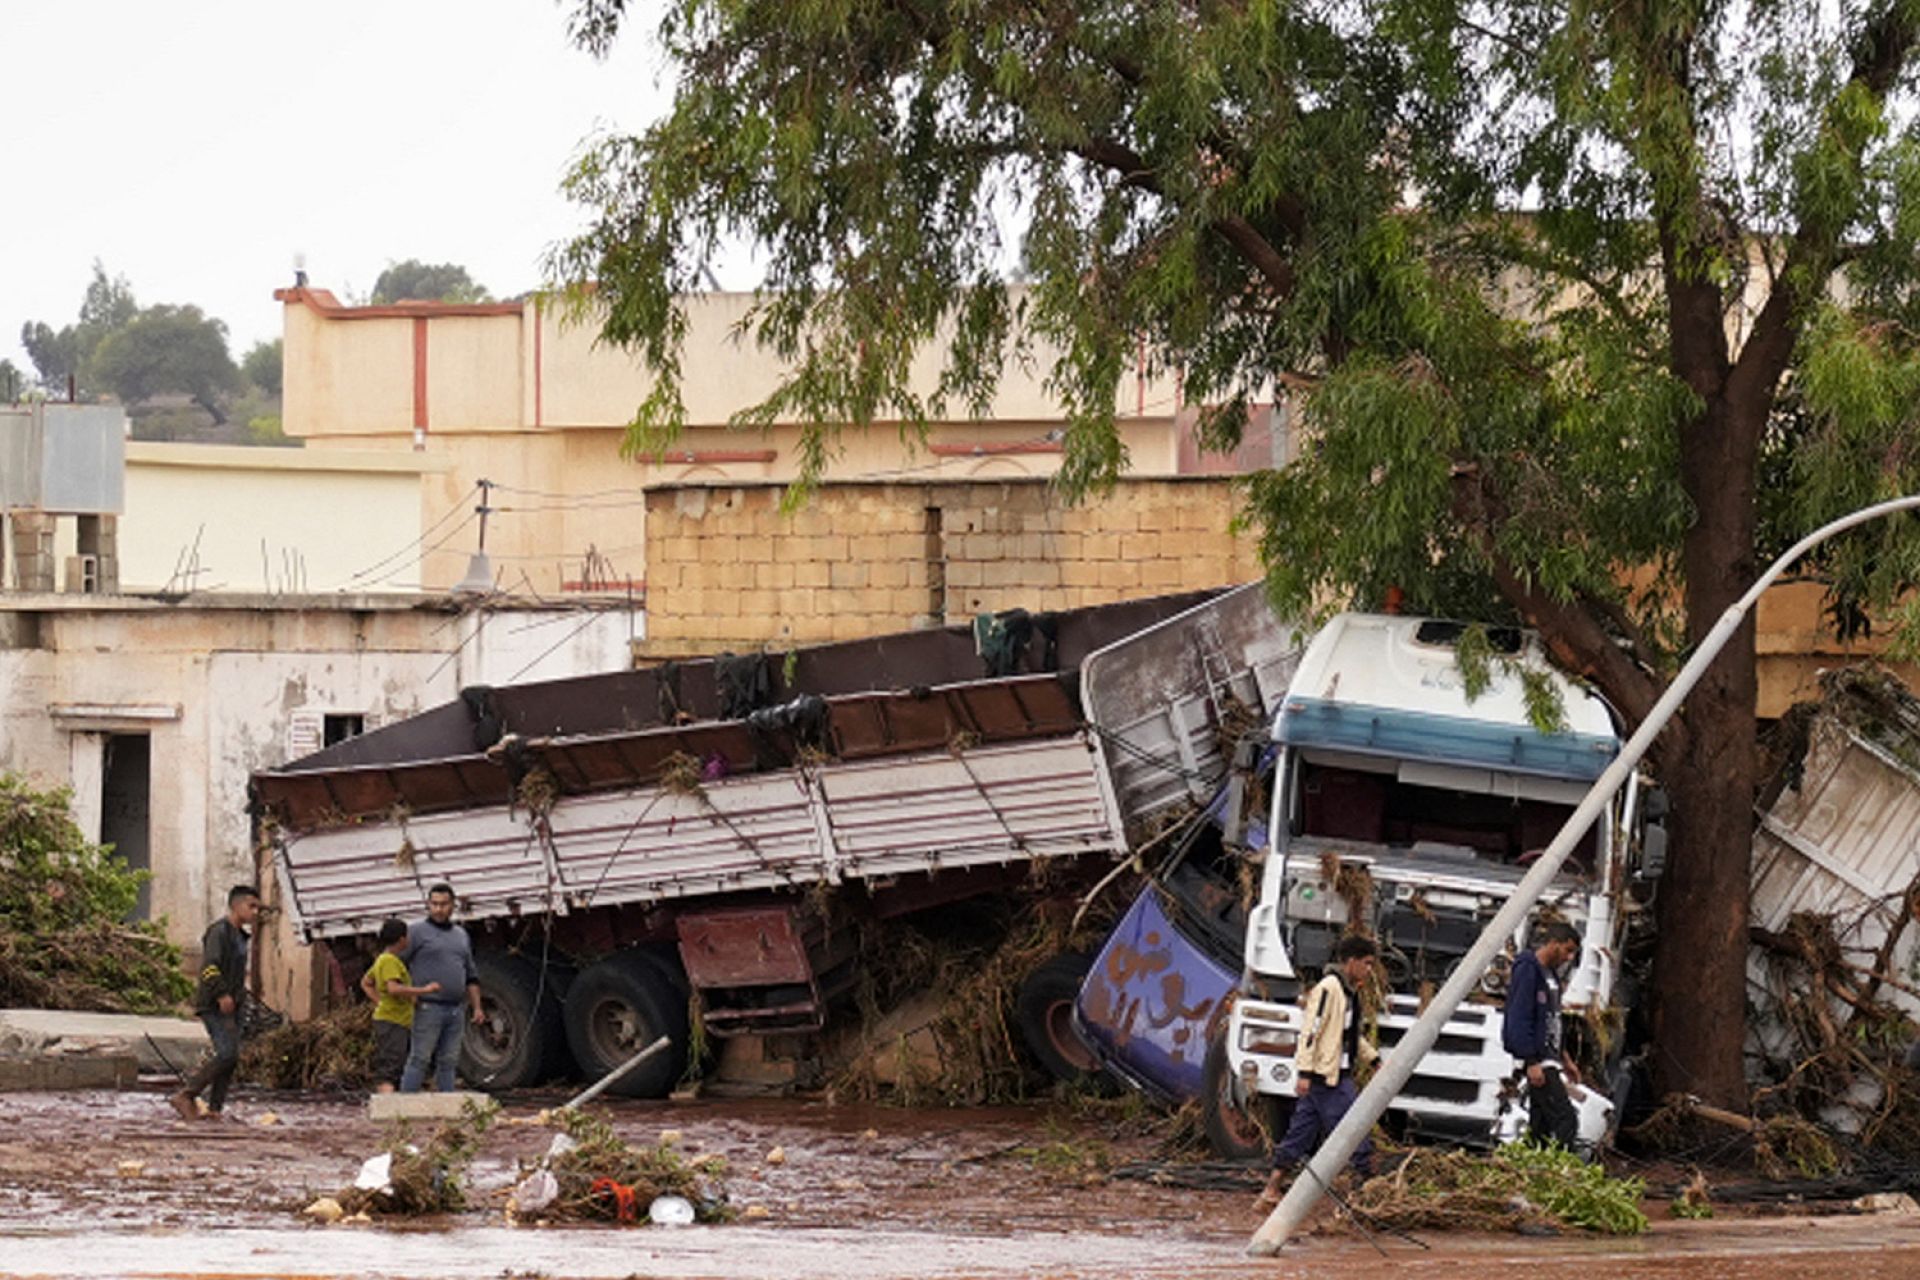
[(1398, 1065)]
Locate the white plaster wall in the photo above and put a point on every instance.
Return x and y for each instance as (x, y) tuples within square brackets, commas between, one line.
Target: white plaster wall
[(259, 519), (519, 648)]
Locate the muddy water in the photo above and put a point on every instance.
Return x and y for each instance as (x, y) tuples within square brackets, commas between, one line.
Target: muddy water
[(111, 1184)]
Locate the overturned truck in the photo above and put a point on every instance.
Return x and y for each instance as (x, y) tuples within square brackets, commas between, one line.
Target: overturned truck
[(622, 843)]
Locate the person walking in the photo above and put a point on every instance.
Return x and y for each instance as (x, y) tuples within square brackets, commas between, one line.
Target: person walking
[(1333, 1047), (389, 985), (1530, 1031), (439, 954), (223, 984)]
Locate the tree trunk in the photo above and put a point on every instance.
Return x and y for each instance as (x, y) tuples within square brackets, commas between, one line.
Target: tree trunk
[(1700, 952)]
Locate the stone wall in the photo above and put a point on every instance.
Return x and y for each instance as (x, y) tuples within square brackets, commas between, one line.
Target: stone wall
[(727, 569)]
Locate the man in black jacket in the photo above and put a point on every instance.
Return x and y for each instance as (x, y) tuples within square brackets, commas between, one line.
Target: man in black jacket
[(223, 983), (1531, 1032)]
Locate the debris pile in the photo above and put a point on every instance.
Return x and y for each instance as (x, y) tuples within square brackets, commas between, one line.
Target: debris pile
[(1835, 945), (329, 1051), (406, 1179), (970, 1052), (1519, 1186), (65, 938), (593, 1175)]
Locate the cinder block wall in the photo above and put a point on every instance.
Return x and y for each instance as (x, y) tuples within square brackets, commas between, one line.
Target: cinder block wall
[(727, 570)]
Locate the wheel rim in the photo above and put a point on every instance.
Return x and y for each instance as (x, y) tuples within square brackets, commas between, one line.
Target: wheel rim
[(493, 1043), (1059, 1024), (615, 1030)]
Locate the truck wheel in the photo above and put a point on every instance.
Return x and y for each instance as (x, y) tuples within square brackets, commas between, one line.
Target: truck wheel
[(1237, 1128), (1044, 1011), (521, 1043), (619, 1007)]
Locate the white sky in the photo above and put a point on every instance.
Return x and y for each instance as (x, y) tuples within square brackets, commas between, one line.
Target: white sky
[(194, 146)]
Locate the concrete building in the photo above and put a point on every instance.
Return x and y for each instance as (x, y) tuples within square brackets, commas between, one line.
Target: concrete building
[(157, 713)]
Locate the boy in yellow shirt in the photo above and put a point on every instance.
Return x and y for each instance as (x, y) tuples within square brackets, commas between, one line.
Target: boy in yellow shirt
[(388, 984)]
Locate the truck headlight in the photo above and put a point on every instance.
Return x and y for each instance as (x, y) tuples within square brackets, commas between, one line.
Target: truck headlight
[(1255, 1038)]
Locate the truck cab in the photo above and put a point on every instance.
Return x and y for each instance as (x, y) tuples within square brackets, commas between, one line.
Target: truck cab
[(1407, 807)]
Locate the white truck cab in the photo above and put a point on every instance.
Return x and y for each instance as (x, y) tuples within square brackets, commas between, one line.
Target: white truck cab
[(1398, 796)]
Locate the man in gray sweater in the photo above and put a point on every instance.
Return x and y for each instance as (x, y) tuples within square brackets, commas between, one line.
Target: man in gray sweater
[(441, 952)]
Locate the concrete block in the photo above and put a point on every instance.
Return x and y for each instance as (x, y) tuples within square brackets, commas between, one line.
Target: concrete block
[(810, 573), (47, 1033), (1139, 546), (383, 1107), (846, 575), (60, 1072)]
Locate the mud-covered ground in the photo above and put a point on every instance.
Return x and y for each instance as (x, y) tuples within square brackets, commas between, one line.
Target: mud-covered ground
[(112, 1184)]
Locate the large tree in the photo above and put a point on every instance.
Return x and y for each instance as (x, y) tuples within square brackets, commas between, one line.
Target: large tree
[(168, 350), (416, 281), (1589, 307)]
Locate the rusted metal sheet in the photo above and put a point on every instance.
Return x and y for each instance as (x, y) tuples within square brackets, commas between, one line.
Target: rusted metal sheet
[(984, 805), (748, 947), (861, 726), (625, 702)]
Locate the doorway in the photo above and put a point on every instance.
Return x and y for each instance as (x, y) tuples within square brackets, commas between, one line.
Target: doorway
[(126, 782)]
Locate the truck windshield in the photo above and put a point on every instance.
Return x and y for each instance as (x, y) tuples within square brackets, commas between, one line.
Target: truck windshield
[(1340, 801)]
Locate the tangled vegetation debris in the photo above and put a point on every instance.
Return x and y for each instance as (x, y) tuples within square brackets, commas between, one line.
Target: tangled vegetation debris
[(424, 1179), (976, 964), (332, 1050), (65, 938), (603, 1178), (1519, 1185)]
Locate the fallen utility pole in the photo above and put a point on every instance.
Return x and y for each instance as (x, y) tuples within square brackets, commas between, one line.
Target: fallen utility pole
[(1397, 1065), (599, 1086)]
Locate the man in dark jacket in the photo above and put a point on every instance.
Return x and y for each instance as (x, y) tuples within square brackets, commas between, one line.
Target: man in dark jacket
[(1531, 1032), (223, 983), (440, 952)]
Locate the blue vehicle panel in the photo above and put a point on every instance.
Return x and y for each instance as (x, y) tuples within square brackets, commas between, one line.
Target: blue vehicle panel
[(1150, 1000)]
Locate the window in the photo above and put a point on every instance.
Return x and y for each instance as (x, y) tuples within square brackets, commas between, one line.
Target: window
[(338, 727)]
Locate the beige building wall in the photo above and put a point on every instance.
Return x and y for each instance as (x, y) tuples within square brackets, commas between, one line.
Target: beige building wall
[(516, 394), (221, 517), (731, 571)]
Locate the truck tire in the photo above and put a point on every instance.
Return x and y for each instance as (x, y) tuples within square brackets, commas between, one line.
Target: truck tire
[(522, 1042), (1237, 1128), (617, 1008), (1043, 1009)]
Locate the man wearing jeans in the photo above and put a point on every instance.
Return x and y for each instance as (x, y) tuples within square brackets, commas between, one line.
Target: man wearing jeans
[(223, 983), (440, 952)]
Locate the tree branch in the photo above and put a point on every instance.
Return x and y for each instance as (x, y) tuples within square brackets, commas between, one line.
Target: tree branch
[(1253, 247), (1572, 633), (1815, 248)]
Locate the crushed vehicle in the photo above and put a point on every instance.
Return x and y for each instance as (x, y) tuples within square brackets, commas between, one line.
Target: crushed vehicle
[(1378, 792), (1835, 969), (620, 843)]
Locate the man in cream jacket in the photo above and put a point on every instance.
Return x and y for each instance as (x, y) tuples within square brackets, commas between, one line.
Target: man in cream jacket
[(1333, 1046)]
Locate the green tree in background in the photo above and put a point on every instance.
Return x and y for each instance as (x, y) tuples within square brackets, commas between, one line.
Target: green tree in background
[(1592, 306), (262, 366), (168, 350), (416, 281), (62, 354)]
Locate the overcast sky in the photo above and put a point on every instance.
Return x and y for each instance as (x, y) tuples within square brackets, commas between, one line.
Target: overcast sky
[(195, 146)]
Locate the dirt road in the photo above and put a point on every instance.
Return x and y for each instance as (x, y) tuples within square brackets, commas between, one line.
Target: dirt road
[(110, 1184)]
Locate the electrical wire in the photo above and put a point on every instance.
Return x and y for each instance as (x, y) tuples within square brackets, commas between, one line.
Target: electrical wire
[(425, 533)]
